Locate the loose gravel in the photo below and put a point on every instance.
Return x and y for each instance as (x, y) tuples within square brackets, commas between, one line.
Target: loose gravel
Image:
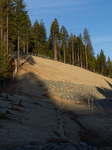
[(60, 146), (72, 91)]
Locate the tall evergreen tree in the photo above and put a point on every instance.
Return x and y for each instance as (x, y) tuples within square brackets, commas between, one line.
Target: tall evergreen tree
[(43, 36), (98, 63), (54, 36), (72, 49), (102, 61), (64, 38), (80, 49), (86, 39), (109, 67), (19, 14), (36, 36), (4, 63)]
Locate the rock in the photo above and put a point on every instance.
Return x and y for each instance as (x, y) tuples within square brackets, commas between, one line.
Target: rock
[(28, 147), (94, 148), (16, 148), (2, 111)]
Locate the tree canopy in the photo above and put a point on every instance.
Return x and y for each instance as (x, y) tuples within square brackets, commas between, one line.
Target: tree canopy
[(17, 33)]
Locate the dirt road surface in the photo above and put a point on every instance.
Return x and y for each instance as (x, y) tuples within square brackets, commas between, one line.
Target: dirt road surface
[(40, 117)]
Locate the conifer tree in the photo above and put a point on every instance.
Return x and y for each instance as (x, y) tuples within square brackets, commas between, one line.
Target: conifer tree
[(60, 44), (72, 49), (4, 63), (64, 38), (86, 39), (81, 49), (36, 36), (102, 61), (19, 14), (98, 63), (109, 67), (54, 36), (78, 49), (42, 36)]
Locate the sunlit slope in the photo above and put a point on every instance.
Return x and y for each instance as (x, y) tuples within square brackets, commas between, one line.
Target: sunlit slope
[(54, 70)]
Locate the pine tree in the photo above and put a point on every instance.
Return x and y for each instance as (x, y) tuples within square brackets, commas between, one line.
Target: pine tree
[(42, 36), (60, 44), (86, 39), (4, 63), (98, 63), (109, 68), (36, 36), (102, 61), (90, 56), (54, 36), (72, 48), (80, 49), (64, 38), (19, 14)]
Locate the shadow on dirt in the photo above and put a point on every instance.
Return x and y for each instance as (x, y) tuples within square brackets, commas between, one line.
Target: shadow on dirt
[(29, 59), (32, 89), (107, 93), (109, 83)]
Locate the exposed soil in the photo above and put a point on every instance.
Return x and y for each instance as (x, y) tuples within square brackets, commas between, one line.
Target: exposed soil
[(35, 120)]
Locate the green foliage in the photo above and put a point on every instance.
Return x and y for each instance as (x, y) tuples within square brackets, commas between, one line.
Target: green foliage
[(54, 29), (4, 63), (102, 61), (109, 67), (18, 20), (22, 22), (86, 37), (98, 64)]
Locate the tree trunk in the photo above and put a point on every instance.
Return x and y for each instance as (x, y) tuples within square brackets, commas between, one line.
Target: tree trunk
[(35, 45), (38, 48), (7, 31), (24, 47), (42, 47), (24, 43), (78, 57), (70, 55), (4, 36), (1, 32), (55, 48), (18, 51), (86, 60), (64, 52), (72, 51), (86, 56), (59, 50), (1, 20), (27, 45), (44, 51)]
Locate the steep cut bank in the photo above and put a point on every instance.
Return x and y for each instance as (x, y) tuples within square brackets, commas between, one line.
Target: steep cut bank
[(53, 70), (67, 81)]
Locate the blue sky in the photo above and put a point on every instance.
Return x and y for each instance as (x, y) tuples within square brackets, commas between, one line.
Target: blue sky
[(75, 15)]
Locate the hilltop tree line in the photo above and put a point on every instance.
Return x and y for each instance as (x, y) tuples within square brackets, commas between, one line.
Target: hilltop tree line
[(17, 33)]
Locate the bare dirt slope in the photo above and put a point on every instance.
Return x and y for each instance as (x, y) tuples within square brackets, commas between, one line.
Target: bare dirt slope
[(43, 118), (53, 70)]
